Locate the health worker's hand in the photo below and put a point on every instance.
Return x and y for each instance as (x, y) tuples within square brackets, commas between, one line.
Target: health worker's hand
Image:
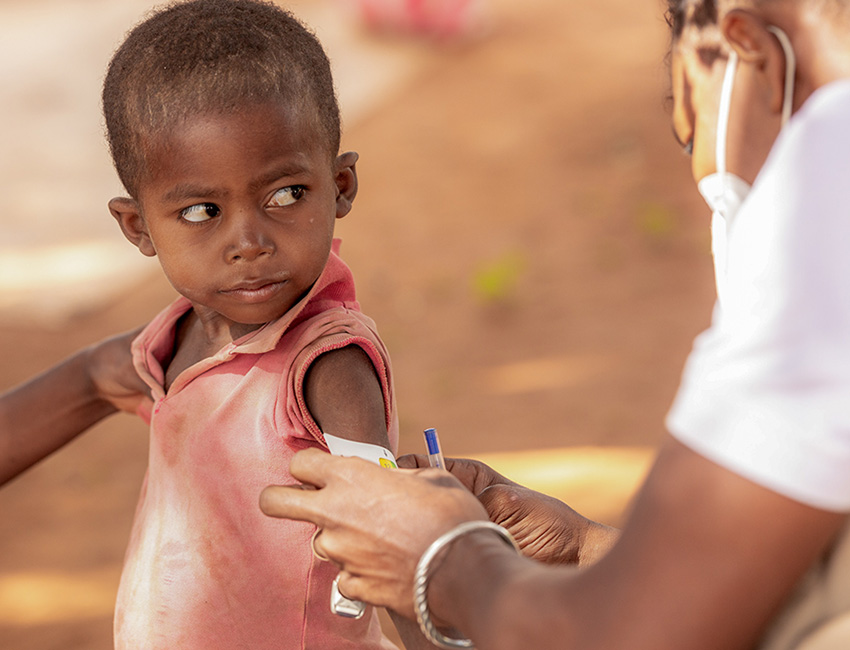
[(546, 529), (374, 523)]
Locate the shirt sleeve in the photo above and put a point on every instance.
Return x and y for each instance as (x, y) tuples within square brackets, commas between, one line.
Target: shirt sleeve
[(766, 389), (332, 330)]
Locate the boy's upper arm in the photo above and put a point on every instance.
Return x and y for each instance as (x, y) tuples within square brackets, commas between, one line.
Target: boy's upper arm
[(345, 396)]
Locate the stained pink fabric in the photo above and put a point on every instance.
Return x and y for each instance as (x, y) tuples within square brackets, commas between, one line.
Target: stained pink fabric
[(205, 569)]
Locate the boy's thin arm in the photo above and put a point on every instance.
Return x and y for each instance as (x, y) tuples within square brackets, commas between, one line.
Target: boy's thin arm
[(47, 412), (50, 410), (345, 397)]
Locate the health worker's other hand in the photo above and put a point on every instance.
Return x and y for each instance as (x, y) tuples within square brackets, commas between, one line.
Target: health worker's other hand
[(546, 529), (374, 523), (115, 380)]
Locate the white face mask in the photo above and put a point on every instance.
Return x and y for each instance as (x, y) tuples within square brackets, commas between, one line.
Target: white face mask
[(723, 191)]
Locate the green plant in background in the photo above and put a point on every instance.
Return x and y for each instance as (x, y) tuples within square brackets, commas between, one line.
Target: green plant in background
[(656, 221), (495, 281)]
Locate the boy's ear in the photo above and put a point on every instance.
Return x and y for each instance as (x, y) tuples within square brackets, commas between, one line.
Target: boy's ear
[(345, 177), (755, 44), (129, 217)]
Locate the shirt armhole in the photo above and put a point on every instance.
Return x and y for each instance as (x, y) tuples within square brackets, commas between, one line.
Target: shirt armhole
[(306, 359)]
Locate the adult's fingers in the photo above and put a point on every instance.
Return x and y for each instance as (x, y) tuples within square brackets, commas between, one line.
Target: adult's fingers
[(351, 586), (356, 587), (313, 466), (319, 468), (475, 475), (293, 502), (413, 461)]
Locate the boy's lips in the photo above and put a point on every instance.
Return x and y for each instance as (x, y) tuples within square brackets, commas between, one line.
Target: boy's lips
[(255, 291)]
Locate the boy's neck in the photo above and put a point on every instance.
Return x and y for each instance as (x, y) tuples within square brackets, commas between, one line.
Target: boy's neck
[(212, 328), (199, 338)]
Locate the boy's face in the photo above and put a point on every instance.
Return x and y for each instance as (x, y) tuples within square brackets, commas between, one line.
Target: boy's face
[(240, 210)]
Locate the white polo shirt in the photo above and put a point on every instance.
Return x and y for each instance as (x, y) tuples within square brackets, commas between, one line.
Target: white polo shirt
[(766, 389)]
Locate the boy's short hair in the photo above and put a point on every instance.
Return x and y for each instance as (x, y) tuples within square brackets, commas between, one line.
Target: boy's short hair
[(211, 56)]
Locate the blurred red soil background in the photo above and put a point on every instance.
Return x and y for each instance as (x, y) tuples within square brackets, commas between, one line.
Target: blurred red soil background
[(526, 236)]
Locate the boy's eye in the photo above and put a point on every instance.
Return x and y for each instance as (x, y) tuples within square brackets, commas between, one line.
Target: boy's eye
[(200, 212), (287, 196)]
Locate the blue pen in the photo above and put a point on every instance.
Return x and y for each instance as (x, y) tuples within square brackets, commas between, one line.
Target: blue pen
[(435, 454)]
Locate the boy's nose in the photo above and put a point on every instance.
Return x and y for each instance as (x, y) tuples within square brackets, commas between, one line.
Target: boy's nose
[(248, 239)]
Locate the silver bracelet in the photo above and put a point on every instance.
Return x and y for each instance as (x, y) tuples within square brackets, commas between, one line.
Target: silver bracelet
[(422, 576)]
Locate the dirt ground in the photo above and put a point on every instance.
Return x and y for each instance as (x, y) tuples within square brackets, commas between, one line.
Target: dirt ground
[(527, 238)]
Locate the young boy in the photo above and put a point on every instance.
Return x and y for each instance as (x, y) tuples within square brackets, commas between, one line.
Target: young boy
[(224, 129)]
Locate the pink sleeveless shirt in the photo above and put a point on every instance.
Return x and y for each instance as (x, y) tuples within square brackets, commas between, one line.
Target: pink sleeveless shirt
[(205, 569)]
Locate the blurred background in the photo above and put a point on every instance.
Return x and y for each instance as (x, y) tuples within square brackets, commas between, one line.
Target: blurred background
[(526, 236)]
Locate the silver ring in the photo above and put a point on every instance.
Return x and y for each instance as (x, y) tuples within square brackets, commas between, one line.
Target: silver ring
[(319, 556)]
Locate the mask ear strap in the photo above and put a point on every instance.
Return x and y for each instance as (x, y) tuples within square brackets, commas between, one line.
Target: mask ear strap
[(790, 71), (723, 112)]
